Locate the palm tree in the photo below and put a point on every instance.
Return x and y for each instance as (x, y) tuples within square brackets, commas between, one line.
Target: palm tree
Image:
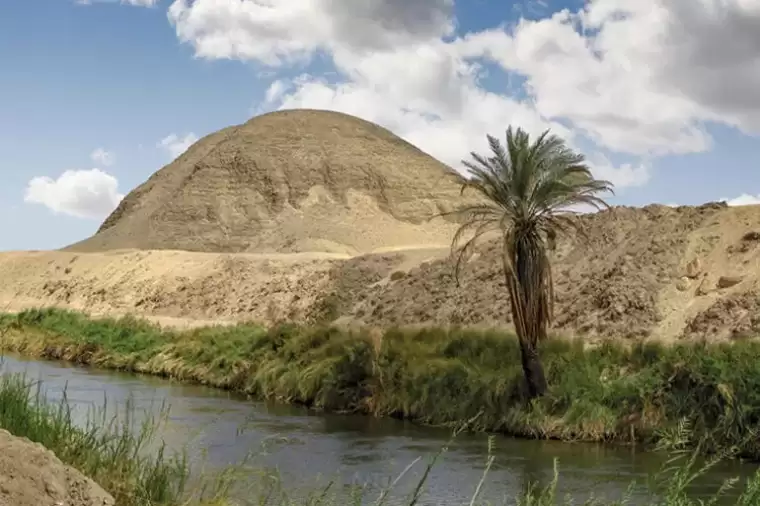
[(527, 195)]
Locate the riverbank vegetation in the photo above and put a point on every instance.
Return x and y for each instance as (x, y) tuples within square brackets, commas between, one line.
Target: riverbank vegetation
[(122, 458), (610, 392), (116, 453)]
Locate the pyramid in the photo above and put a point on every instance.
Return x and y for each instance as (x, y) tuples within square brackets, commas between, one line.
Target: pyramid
[(287, 182)]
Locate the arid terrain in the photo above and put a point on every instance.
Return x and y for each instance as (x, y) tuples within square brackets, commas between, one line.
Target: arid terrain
[(31, 475), (314, 216), (288, 182), (660, 272)]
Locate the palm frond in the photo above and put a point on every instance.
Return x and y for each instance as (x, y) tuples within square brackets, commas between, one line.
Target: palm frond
[(464, 253), (531, 193)]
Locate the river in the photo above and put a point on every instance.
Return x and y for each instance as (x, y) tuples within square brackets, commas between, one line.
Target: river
[(220, 429)]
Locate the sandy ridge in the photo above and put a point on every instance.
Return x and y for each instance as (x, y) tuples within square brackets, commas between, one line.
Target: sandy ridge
[(628, 278)]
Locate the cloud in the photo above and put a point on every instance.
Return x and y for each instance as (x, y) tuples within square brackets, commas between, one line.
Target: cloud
[(715, 53), (102, 157), (592, 83), (79, 193), (640, 78), (176, 145), (743, 200), (275, 32), (275, 91), (623, 176)]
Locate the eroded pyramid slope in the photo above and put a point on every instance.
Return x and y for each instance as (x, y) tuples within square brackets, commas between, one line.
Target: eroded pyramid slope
[(289, 181)]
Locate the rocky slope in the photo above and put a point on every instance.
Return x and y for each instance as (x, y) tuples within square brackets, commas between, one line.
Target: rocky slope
[(659, 272), (319, 216), (31, 475), (285, 182)]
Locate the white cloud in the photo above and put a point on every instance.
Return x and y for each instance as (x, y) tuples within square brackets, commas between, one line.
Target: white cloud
[(625, 175), (80, 193), (641, 77), (634, 77), (275, 91), (743, 200), (103, 157), (274, 32), (601, 84), (176, 145)]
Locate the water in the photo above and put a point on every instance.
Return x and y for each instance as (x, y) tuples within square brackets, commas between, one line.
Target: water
[(219, 429)]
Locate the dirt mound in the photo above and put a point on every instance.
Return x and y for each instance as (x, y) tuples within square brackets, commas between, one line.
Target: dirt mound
[(288, 181), (31, 475), (735, 316), (660, 272), (610, 280), (181, 288)]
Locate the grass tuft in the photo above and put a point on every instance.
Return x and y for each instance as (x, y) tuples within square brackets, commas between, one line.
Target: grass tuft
[(113, 452)]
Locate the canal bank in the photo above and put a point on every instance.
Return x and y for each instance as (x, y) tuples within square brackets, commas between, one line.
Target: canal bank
[(31, 475), (218, 429), (613, 392), (47, 458)]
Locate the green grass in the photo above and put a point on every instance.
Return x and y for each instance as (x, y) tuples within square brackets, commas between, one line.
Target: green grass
[(110, 451), (116, 454), (434, 376)]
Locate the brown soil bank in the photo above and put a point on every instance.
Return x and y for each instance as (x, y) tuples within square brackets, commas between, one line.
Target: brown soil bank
[(31, 475), (672, 273), (288, 181)]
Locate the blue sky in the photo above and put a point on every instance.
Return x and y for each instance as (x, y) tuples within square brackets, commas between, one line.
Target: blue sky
[(121, 78)]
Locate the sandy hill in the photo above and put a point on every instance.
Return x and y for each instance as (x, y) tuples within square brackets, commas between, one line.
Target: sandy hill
[(318, 216), (672, 273), (288, 181)]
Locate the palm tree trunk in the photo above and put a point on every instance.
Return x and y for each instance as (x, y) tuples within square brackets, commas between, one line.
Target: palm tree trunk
[(528, 315), (533, 370)]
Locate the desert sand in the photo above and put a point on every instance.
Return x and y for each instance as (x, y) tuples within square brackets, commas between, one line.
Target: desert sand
[(31, 475), (658, 272), (288, 182), (315, 216)]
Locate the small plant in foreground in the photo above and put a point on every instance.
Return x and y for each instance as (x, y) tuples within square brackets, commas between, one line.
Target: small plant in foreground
[(118, 454)]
